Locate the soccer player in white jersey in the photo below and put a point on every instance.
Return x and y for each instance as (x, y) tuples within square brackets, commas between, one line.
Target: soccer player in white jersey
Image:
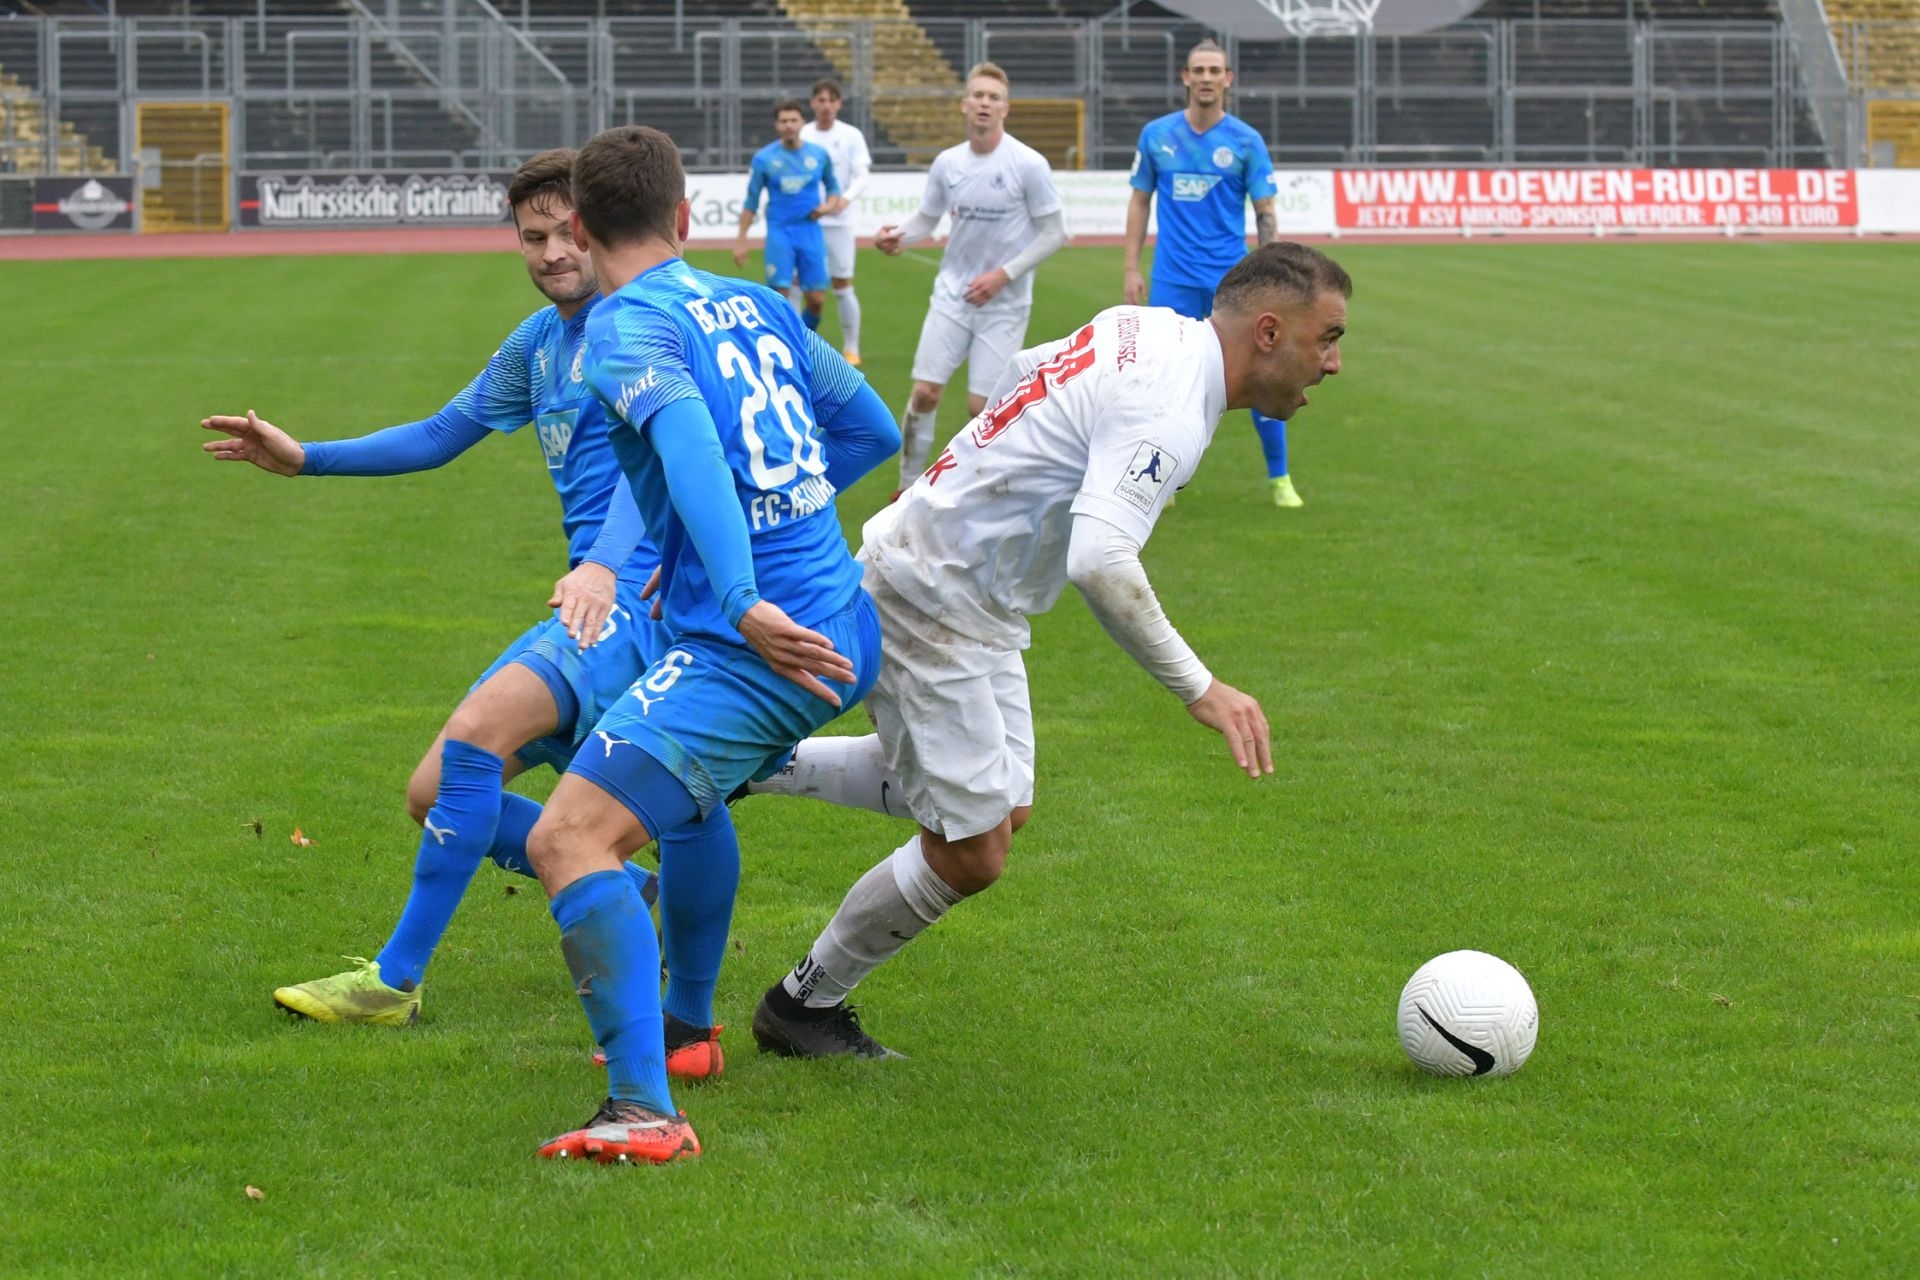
[(1061, 480), (1006, 219), (852, 162)]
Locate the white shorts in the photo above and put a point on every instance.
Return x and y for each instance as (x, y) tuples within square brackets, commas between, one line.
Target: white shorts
[(985, 342), (954, 719), (839, 251)]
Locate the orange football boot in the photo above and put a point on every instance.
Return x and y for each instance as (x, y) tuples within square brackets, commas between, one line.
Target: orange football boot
[(626, 1133)]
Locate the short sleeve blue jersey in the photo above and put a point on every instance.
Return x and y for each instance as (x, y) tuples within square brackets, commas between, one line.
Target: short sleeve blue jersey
[(676, 333), (538, 376), (1203, 182), (793, 181)]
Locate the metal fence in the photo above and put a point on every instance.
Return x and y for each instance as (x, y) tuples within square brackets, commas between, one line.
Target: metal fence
[(468, 90)]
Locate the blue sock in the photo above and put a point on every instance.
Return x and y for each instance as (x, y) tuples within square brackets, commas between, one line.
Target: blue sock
[(811, 319), (1273, 443), (517, 816), (615, 960), (645, 881), (458, 832), (699, 876)]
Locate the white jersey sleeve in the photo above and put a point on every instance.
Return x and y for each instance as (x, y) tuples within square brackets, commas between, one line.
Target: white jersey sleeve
[(1036, 181), (1143, 448)]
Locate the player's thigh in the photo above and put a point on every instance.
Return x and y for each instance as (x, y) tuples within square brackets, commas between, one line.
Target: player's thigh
[(779, 259), (943, 347), (1192, 301), (996, 339), (941, 726), (810, 258), (840, 248)]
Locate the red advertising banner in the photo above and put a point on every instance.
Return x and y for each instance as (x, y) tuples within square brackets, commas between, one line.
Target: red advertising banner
[(1583, 199)]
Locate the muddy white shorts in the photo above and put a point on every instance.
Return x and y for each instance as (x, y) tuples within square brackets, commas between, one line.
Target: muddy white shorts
[(953, 717)]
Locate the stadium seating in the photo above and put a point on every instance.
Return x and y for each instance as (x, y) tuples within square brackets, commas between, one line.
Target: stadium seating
[(1884, 50)]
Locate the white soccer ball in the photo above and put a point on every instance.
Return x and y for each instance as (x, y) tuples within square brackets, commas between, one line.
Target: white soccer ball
[(1467, 1013)]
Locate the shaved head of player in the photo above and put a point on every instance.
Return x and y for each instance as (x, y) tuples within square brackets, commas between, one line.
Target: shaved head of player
[(1280, 315)]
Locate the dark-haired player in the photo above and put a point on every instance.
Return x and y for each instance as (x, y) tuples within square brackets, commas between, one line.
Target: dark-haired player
[(735, 426), (801, 187), (537, 702), (1060, 480)]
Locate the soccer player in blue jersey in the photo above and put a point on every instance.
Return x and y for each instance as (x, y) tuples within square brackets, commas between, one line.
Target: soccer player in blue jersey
[(1204, 165), (537, 703), (735, 426), (801, 187)]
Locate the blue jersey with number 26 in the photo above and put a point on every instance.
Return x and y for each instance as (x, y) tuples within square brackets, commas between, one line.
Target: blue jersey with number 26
[(676, 333)]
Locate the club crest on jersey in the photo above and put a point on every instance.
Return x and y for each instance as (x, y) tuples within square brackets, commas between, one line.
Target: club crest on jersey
[(1150, 471), (579, 361), (1188, 187), (1223, 157), (812, 163)]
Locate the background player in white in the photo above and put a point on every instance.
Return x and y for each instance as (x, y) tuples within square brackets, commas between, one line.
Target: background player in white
[(1060, 480), (852, 162), (1006, 220)]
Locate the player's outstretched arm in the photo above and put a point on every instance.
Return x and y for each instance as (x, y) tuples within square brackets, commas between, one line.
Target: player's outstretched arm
[(1103, 562), (254, 439)]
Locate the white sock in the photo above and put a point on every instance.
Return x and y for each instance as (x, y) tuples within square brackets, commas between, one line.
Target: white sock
[(848, 304), (796, 298), (851, 772), (916, 433), (885, 910)]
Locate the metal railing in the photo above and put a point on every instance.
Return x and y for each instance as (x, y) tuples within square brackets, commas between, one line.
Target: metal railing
[(456, 83)]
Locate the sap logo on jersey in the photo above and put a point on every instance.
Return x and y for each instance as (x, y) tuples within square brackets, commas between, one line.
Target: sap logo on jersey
[(794, 184), (1188, 187), (728, 313), (630, 391), (555, 431)]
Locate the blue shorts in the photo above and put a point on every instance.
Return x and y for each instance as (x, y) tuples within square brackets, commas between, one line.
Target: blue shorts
[(584, 685), (714, 715), (796, 249), (1191, 300)]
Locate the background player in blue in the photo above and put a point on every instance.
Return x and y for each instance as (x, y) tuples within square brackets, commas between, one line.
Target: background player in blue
[(799, 181), (735, 425), (1204, 165), (538, 701)]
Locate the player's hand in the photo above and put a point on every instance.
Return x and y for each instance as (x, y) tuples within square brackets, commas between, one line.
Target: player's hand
[(985, 285), (254, 439), (1237, 718), (834, 204), (800, 655), (740, 255), (652, 592), (584, 599), (1133, 287), (887, 241)]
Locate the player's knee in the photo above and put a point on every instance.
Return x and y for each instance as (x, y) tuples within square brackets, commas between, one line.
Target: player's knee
[(926, 397), (973, 864)]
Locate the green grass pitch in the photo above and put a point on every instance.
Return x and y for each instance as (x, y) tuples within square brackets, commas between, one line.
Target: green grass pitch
[(1594, 647)]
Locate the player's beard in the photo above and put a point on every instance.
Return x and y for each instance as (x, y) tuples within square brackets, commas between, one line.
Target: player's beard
[(564, 294)]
